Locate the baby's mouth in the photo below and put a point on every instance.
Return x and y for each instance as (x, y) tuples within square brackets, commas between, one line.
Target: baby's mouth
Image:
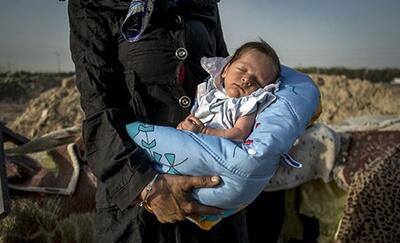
[(242, 91)]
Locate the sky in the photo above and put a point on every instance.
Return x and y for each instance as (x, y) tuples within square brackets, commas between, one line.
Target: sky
[(322, 33)]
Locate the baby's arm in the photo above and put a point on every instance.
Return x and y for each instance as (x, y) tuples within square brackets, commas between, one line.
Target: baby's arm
[(240, 131)]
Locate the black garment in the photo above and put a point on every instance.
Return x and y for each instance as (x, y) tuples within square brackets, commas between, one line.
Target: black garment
[(121, 82), (264, 217)]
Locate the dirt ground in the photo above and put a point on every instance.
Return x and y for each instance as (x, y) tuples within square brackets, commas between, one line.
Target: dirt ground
[(33, 107), (34, 110), (17, 90), (343, 98), (52, 110), (9, 111)]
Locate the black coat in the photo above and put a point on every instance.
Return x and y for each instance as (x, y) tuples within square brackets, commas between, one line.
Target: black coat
[(121, 82)]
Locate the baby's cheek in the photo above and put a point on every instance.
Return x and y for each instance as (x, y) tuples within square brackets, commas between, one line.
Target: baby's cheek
[(250, 90), (233, 93)]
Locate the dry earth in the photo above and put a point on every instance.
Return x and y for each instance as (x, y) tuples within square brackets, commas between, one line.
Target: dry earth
[(343, 98), (34, 111), (33, 107)]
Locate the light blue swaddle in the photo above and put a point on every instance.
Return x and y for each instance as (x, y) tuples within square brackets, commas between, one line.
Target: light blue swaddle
[(244, 167)]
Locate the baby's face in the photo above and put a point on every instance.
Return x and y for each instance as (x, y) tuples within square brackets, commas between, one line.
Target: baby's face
[(253, 70)]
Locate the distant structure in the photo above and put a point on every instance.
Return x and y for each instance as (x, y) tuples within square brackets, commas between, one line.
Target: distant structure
[(58, 61), (396, 81), (365, 74)]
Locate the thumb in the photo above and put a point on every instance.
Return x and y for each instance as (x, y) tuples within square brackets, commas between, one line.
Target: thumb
[(203, 181)]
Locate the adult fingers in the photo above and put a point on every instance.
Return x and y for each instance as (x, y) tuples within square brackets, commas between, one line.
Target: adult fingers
[(171, 218), (201, 181), (194, 208)]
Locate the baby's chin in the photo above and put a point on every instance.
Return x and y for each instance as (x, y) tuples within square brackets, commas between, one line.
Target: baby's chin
[(233, 93)]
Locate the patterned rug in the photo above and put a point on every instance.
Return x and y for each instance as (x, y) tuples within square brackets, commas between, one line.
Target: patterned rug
[(372, 213)]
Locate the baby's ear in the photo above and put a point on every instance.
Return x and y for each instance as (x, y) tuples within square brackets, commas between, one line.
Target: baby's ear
[(223, 74)]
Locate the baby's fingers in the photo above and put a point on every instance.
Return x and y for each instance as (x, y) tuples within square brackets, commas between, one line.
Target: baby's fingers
[(195, 121)]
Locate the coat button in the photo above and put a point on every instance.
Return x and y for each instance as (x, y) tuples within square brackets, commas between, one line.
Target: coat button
[(178, 20), (181, 53), (184, 101)]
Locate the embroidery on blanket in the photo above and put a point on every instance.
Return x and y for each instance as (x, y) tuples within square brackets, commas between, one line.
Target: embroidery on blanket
[(151, 146)]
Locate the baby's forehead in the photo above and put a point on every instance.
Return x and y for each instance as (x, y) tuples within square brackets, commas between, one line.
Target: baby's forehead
[(261, 61), (255, 55)]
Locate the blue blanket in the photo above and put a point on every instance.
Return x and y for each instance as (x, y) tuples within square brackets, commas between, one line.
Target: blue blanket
[(244, 167)]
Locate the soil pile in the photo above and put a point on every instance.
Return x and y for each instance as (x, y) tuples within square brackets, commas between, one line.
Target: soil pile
[(21, 87), (59, 108), (53, 110), (42, 107), (17, 89), (343, 98)]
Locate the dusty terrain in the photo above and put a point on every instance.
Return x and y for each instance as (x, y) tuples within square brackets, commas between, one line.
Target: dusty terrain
[(33, 106), (343, 98), (52, 110), (17, 89)]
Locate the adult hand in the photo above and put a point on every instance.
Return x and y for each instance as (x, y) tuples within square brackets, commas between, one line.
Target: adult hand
[(170, 198), (191, 123)]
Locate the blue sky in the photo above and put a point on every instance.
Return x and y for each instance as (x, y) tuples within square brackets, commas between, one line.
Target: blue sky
[(352, 33)]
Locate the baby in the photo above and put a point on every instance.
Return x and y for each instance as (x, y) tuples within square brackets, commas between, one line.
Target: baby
[(227, 104)]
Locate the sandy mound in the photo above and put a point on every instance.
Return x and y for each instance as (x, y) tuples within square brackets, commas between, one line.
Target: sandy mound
[(53, 110), (343, 98), (20, 87), (17, 89), (58, 108)]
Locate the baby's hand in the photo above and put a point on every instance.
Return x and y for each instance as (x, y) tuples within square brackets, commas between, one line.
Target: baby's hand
[(191, 123)]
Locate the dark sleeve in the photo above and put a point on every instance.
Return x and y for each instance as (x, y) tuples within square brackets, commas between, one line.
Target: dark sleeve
[(114, 159)]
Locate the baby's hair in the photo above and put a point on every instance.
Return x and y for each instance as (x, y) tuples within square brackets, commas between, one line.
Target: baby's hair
[(262, 47)]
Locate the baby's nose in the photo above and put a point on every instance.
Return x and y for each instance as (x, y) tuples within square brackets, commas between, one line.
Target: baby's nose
[(246, 81)]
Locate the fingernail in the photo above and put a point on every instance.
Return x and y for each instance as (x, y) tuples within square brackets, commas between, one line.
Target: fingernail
[(215, 179)]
